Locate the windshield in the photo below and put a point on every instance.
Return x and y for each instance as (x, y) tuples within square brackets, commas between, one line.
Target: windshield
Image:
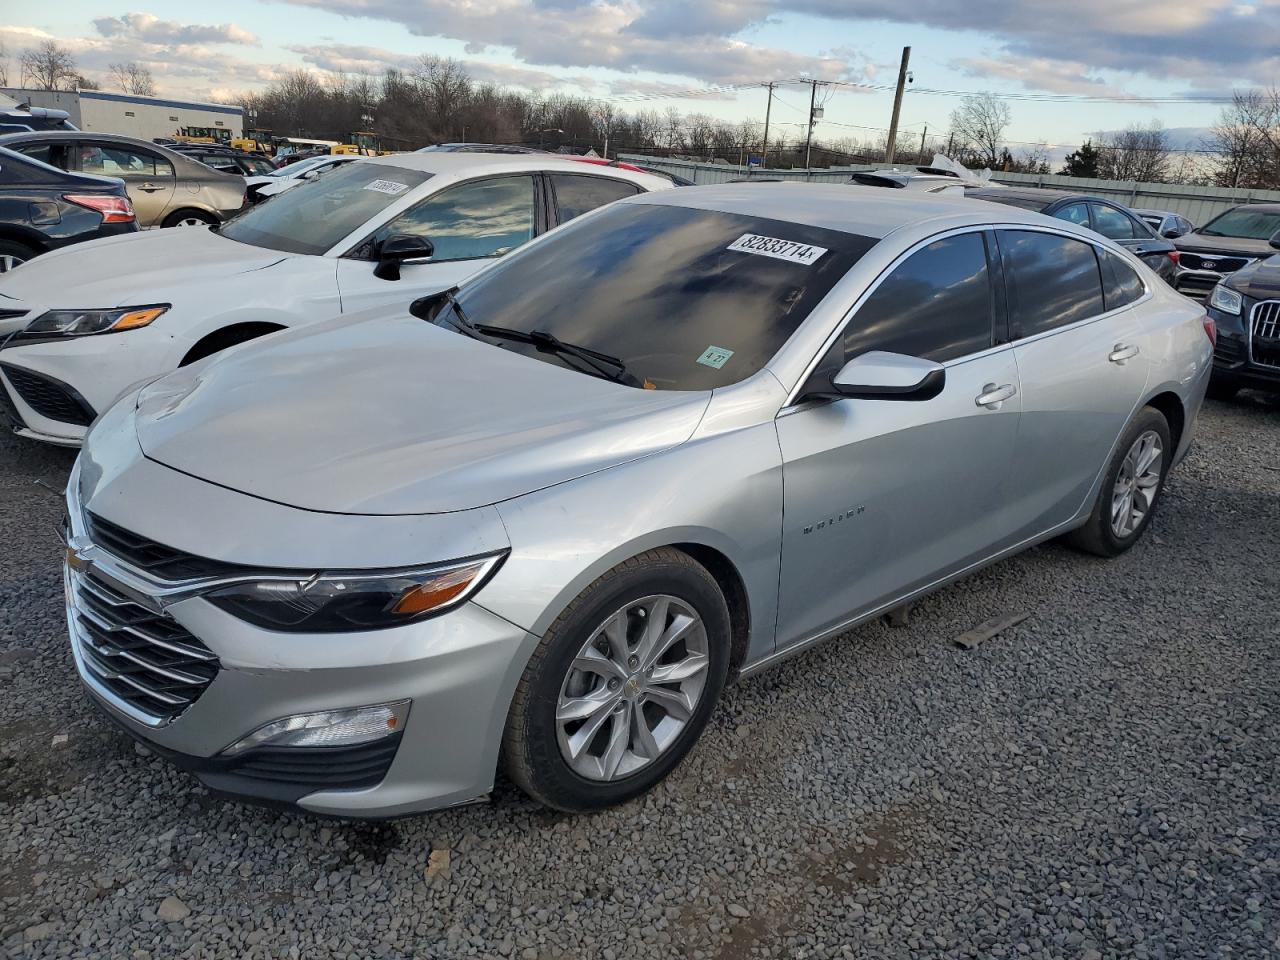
[(315, 215), (685, 299), (296, 169), (1244, 223)]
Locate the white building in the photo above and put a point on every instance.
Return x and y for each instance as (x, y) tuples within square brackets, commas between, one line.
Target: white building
[(135, 116)]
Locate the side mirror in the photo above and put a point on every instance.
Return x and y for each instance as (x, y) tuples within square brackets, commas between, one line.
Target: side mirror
[(879, 375), (1275, 240), (1172, 233), (397, 249)]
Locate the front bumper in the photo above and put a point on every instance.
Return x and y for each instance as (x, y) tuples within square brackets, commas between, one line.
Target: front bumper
[(458, 671)]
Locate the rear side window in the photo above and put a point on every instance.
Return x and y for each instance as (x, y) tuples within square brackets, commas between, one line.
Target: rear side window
[(1052, 281), (936, 304), (1111, 223), (1121, 283), (54, 154), (575, 195)]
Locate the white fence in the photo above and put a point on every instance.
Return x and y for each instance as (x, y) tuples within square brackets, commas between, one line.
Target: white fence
[(1197, 204)]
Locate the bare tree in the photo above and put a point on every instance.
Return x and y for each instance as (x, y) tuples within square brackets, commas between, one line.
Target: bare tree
[(132, 77), (4, 65), (978, 126), (1246, 140), (673, 128), (1136, 153), (48, 67)]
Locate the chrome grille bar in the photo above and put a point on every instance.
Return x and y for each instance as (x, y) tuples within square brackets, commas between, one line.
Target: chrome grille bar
[(1264, 324)]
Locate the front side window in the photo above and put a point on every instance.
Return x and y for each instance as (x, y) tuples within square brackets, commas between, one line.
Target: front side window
[(1111, 223), (1077, 213), (936, 304), (1051, 280), (484, 218), (687, 299), (577, 194), (314, 216), (1245, 223)]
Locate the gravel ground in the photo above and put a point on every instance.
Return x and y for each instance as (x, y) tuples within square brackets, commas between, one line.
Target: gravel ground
[(1100, 781)]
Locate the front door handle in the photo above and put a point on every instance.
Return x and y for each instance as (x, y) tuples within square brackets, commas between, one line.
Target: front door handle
[(992, 396), (1122, 352)]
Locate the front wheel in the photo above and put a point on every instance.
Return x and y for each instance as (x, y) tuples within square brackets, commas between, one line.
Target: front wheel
[(621, 686), (1131, 487)]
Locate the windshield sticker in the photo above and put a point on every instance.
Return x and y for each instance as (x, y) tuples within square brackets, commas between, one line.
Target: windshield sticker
[(387, 186), (715, 357), (787, 250)]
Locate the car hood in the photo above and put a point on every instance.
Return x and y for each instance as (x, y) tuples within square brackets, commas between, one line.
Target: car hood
[(1260, 280), (1234, 246), (134, 268), (397, 416)]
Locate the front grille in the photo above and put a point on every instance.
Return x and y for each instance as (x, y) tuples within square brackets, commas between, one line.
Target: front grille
[(1200, 261), (154, 558), (144, 658), (1198, 288), (1264, 328), (48, 397)]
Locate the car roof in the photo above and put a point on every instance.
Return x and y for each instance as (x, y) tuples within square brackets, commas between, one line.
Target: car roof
[(478, 164), (850, 208), (160, 148)]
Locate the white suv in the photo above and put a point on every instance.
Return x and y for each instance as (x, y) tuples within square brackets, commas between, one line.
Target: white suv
[(80, 326)]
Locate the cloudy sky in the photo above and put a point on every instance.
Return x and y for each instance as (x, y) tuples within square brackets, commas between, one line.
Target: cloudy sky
[(655, 53)]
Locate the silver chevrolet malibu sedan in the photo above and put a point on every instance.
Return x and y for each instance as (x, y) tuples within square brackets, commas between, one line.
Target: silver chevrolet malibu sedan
[(538, 522)]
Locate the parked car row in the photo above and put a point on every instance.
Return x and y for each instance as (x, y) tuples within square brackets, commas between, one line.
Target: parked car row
[(486, 493)]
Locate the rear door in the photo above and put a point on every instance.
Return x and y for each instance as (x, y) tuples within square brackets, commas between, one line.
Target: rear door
[(469, 225), (148, 177), (881, 497), (1083, 364)]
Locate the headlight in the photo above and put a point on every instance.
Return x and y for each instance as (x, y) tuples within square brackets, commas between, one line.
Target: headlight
[(363, 600), (1226, 300), (78, 323)]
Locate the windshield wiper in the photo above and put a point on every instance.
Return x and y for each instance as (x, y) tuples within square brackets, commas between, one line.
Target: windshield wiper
[(601, 364)]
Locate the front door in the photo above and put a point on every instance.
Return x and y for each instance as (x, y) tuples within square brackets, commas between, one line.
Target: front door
[(468, 224), (1083, 359), (882, 497)]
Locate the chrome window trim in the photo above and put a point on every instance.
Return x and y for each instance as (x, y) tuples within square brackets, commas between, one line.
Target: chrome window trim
[(871, 288)]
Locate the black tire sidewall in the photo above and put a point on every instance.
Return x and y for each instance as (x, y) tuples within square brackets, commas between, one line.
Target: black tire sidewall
[(1147, 419), (11, 248), (554, 781)]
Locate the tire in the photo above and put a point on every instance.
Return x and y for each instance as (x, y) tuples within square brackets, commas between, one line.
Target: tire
[(188, 218), (537, 746), (14, 254), (1223, 390), (1100, 535)]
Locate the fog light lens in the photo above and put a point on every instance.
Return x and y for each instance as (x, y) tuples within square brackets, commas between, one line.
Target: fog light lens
[(328, 728)]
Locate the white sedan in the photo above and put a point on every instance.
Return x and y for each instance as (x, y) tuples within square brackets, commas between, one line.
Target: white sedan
[(81, 325), (295, 174)]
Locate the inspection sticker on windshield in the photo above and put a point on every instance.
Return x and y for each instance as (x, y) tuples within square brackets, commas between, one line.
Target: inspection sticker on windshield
[(387, 186), (778, 249), (715, 357)]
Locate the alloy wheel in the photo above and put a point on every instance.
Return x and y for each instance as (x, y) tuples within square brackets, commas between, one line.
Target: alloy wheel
[(8, 262), (1137, 484), (632, 688), (192, 222)]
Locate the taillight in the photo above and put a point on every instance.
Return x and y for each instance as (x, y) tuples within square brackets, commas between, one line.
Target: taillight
[(113, 209), (1210, 329), (1174, 255)]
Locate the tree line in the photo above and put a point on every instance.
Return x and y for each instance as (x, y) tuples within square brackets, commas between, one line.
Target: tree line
[(437, 100)]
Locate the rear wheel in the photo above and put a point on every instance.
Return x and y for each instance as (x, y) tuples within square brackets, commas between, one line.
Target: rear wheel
[(13, 255), (1131, 488), (188, 218), (621, 686)]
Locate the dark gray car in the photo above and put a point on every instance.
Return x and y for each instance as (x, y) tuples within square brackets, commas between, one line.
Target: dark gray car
[(1229, 242), (167, 189), (1113, 221)]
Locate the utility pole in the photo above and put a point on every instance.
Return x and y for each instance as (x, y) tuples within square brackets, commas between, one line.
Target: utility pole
[(924, 133), (808, 138), (897, 107), (768, 109)]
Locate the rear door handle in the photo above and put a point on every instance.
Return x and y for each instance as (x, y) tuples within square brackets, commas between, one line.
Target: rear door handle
[(1122, 352), (149, 188), (992, 396)]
